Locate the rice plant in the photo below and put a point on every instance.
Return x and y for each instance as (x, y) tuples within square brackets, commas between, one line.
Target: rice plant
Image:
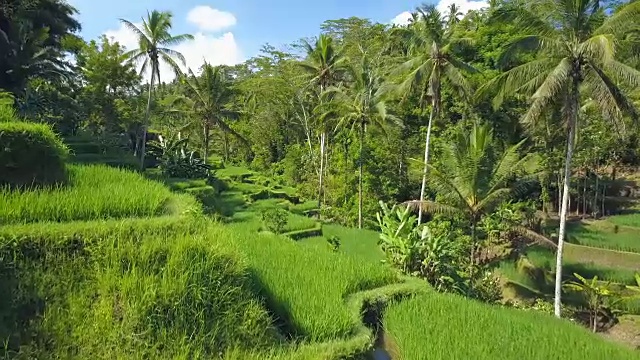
[(603, 235), (163, 296), (94, 192), (439, 327), (306, 286)]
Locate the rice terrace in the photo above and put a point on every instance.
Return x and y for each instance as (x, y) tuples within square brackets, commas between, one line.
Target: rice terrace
[(459, 182)]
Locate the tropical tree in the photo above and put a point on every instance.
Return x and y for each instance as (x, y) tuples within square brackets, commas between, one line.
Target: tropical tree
[(359, 107), (154, 40), (324, 63), (474, 177), (598, 295), (576, 46), (209, 97), (431, 62)]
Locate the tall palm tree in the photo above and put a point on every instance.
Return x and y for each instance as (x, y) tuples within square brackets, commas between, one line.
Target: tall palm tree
[(359, 107), (324, 63), (154, 40), (576, 47), (208, 98), (431, 61), (454, 14), (473, 178)]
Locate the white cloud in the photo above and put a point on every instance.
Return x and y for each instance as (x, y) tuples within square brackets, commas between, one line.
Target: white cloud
[(443, 6), (219, 49), (210, 19), (402, 19)]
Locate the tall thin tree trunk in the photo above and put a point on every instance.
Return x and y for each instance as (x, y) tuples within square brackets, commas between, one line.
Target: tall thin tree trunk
[(426, 158), (143, 145), (226, 146), (573, 121), (321, 175), (207, 132), (594, 208), (360, 177), (559, 191), (584, 193)]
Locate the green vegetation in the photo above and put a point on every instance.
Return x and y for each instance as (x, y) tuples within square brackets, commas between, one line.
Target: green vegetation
[(183, 295), (31, 154), (609, 234), (93, 192), (212, 213), (632, 220), (426, 327)]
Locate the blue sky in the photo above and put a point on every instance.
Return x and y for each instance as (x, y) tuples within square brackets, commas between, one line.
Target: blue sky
[(230, 31)]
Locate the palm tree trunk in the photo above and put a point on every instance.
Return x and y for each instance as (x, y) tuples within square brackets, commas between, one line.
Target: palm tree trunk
[(584, 193), (226, 146), (360, 177), (426, 159), (321, 175), (206, 130), (573, 121), (143, 145)]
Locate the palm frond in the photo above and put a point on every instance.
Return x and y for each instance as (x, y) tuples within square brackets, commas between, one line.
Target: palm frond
[(176, 40), (433, 207), (607, 95), (622, 21), (142, 37), (549, 91), (173, 54), (624, 73), (532, 236), (599, 48)]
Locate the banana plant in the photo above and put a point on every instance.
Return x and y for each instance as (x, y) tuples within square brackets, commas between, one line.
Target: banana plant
[(399, 238), (598, 295)]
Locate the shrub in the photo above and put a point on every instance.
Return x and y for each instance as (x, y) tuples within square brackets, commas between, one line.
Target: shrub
[(275, 219), (31, 154)]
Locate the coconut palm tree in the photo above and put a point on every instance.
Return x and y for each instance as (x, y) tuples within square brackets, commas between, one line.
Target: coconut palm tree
[(431, 61), (359, 107), (154, 40), (208, 99), (576, 47), (454, 14), (324, 64), (473, 177)]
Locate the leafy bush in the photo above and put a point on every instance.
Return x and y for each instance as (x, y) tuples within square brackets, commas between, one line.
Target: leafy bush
[(429, 251), (31, 154), (177, 161), (334, 243), (275, 219)]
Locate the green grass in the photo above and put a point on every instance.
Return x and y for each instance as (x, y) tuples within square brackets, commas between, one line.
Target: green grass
[(134, 295), (304, 207), (545, 259), (362, 244), (233, 172), (602, 257), (632, 220), (306, 286), (94, 192), (602, 234), (299, 222), (438, 327)]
